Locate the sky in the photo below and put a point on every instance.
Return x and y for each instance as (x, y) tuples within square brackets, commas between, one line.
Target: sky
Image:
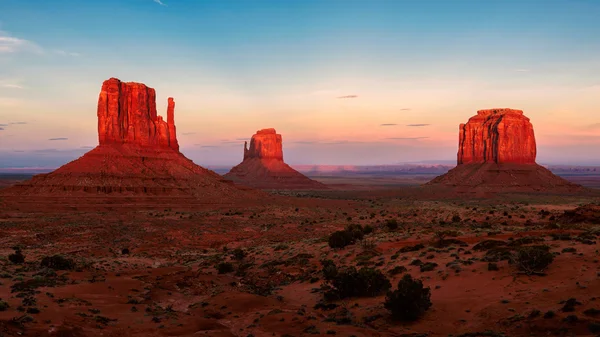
[(345, 82)]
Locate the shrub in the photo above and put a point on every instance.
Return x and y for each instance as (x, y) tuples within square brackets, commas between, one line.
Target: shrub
[(58, 262), (340, 239), (224, 267), (410, 301), (239, 254), (362, 283), (3, 306), (17, 257), (391, 224), (368, 229), (329, 269), (533, 259)]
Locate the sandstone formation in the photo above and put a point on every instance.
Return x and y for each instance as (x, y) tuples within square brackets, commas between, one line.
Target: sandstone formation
[(263, 165), (497, 136), (127, 114), (138, 154), (496, 153)]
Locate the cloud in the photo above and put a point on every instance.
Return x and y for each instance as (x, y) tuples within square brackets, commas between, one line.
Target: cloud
[(388, 124), (303, 142), (348, 96), (3, 124), (594, 126), (1, 129), (58, 138), (65, 53), (207, 146), (405, 109), (11, 45), (522, 70), (160, 3), (18, 123), (406, 138), (87, 147), (12, 86), (418, 124), (239, 139), (188, 133)]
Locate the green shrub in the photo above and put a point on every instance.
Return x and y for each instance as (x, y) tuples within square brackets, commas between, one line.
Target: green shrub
[(58, 262), (391, 224), (410, 301), (341, 239), (239, 254), (3, 306), (224, 267), (533, 259), (17, 257), (362, 283), (329, 269)]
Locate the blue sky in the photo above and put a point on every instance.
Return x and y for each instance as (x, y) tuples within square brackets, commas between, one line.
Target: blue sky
[(238, 66)]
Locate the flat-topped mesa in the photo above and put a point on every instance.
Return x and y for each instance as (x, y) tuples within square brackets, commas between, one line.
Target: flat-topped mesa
[(497, 136), (265, 144), (127, 114)]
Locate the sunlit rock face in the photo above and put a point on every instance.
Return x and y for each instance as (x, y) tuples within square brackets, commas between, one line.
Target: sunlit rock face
[(263, 165), (127, 114), (266, 144), (497, 136)]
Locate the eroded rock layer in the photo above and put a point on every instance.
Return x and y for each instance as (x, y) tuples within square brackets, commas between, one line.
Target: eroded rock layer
[(497, 136), (496, 153), (127, 114), (263, 165), (138, 154)]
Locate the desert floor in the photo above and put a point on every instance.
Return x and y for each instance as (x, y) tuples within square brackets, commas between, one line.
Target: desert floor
[(150, 267)]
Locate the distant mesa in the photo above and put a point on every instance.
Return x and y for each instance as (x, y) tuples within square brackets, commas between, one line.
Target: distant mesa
[(496, 152), (138, 154), (263, 166)]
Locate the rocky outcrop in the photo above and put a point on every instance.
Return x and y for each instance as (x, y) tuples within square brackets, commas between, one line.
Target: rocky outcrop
[(138, 154), (497, 136), (496, 153), (127, 114), (265, 144), (263, 165)]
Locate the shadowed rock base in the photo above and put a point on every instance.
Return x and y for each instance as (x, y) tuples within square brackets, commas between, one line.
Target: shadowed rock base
[(507, 177), (271, 174), (130, 169)]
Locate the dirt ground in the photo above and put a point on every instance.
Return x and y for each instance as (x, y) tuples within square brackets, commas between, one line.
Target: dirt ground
[(162, 267)]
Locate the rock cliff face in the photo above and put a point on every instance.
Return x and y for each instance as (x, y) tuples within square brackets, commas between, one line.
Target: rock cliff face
[(127, 114), (497, 136), (138, 154), (265, 144), (263, 165), (496, 153)]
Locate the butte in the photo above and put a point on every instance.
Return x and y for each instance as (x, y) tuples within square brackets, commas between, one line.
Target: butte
[(138, 155), (496, 153), (263, 166)]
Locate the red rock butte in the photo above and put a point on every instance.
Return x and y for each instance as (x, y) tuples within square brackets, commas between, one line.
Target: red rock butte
[(263, 166), (497, 136), (496, 153), (138, 154)]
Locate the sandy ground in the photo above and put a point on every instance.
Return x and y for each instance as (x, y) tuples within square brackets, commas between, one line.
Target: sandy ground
[(149, 267)]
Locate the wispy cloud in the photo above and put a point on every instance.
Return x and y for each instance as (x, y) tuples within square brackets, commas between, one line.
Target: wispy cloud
[(12, 86), (66, 53), (418, 124), (87, 147), (10, 44), (18, 123), (405, 109), (206, 146), (188, 133), (388, 124), (3, 124), (58, 138), (594, 126), (1, 129), (522, 70), (406, 138), (303, 142), (160, 3), (239, 139), (348, 96)]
